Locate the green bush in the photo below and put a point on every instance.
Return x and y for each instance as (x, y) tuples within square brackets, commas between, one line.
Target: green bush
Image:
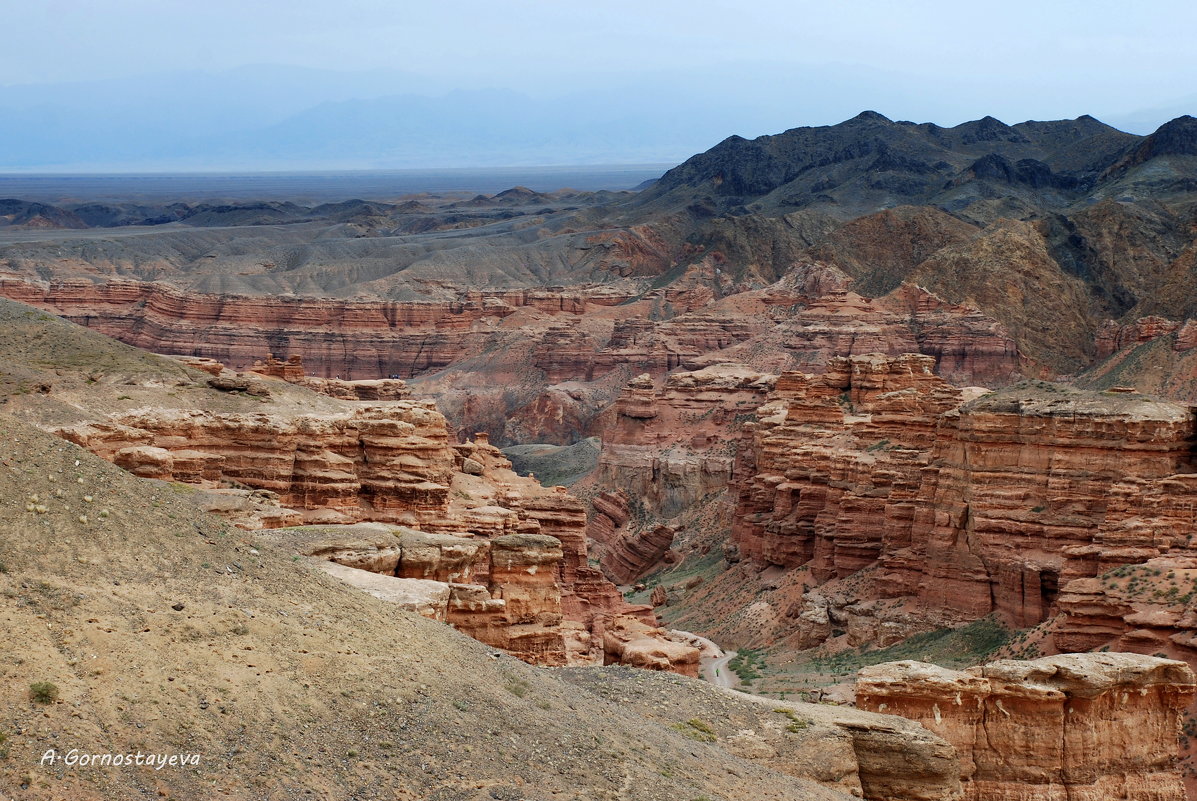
[(697, 729), (43, 692)]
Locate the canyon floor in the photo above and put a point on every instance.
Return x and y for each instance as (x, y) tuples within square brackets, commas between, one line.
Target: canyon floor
[(836, 399)]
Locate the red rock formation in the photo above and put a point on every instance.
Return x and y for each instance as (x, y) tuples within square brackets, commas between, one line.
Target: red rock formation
[(375, 463), (563, 335), (609, 513), (669, 448), (1036, 486), (1078, 726), (336, 338), (834, 465), (1144, 608), (511, 553), (1112, 337), (994, 506), (290, 370), (969, 347), (1152, 355), (627, 641), (635, 555)]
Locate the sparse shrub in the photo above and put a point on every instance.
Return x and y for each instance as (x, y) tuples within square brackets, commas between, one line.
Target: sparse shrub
[(518, 687), (43, 692), (696, 729), (796, 723), (461, 706)]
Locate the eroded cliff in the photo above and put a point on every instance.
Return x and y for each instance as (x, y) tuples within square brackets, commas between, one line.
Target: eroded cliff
[(1079, 726)]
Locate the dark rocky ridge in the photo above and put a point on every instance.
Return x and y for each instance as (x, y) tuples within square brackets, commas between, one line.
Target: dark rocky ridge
[(871, 162)]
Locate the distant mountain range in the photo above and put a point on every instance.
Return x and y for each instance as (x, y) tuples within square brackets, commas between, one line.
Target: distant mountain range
[(284, 118)]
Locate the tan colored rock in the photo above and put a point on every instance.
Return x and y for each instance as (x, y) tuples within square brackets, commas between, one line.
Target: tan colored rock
[(145, 461), (511, 555), (424, 597), (628, 641), (1077, 726)]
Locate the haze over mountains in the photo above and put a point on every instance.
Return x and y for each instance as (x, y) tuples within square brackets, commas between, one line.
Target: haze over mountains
[(269, 117)]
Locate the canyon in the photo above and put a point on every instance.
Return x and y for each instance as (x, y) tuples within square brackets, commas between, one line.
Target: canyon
[(855, 390), (494, 554)]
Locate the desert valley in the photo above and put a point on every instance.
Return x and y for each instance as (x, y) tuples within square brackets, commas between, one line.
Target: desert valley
[(852, 461)]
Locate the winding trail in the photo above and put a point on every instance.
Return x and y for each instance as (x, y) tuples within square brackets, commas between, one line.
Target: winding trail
[(713, 662)]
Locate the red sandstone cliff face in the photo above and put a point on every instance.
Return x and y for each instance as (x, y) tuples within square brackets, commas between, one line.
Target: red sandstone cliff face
[(540, 365), (667, 448), (870, 482), (1035, 487), (833, 465), (497, 555), (666, 453), (1077, 726)]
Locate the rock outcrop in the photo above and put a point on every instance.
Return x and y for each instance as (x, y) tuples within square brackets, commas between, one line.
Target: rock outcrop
[(988, 506), (636, 554), (628, 641), (1152, 355), (533, 365), (291, 371), (1037, 485), (1077, 726), (336, 338), (496, 555), (668, 448), (833, 465)]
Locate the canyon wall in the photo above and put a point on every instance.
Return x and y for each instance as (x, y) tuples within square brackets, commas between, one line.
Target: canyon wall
[(964, 508), (1037, 486), (1085, 727), (540, 365), (495, 554), (1150, 354)]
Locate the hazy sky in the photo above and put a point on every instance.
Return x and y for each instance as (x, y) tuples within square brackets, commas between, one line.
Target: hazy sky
[(1132, 54), (733, 67)]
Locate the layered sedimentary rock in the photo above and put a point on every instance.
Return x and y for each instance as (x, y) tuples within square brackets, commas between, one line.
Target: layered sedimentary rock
[(993, 505), (636, 554), (668, 448), (627, 641), (387, 463), (1150, 354), (1112, 337), (1145, 608), (291, 371), (968, 347), (535, 365), (833, 465), (666, 453), (336, 338), (1089, 727), (511, 555), (1037, 485)]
